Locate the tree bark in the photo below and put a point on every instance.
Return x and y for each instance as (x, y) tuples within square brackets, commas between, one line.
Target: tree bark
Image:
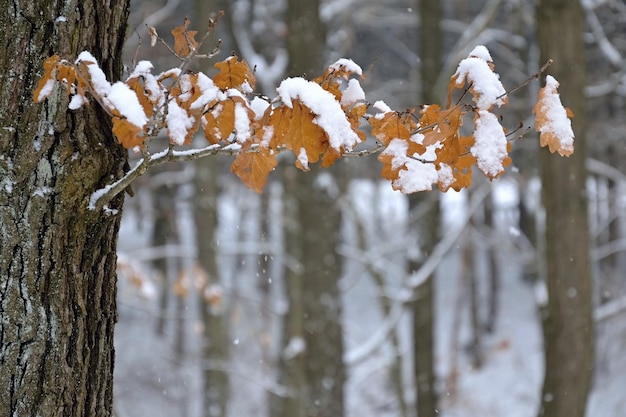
[(568, 325), (431, 44), (57, 257)]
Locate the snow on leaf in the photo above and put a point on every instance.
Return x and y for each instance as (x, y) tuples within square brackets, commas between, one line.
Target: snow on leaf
[(407, 174), (552, 120), (47, 81), (137, 87), (234, 74), (294, 127), (184, 39), (327, 111), (90, 73), (253, 167), (179, 124), (490, 145), (124, 100), (485, 85)]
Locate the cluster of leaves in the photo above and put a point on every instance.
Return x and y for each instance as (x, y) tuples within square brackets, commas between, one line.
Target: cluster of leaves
[(319, 120)]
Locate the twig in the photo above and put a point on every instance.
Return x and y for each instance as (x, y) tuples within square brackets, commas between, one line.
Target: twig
[(530, 79)]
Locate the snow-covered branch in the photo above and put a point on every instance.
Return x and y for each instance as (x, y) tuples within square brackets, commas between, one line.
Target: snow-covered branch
[(100, 198)]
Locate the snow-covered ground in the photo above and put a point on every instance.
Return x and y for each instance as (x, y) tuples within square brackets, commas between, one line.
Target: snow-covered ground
[(153, 380)]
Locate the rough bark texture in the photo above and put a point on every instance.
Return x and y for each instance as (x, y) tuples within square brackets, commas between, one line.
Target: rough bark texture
[(568, 324), (57, 257)]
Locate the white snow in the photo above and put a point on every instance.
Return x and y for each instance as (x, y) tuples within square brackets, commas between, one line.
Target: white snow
[(382, 107), (485, 83), (490, 144), (329, 115), (242, 123), (98, 80), (141, 69), (303, 158), (418, 176), (124, 100), (178, 122), (353, 93), (346, 64), (46, 90), (208, 92), (258, 106), (77, 101)]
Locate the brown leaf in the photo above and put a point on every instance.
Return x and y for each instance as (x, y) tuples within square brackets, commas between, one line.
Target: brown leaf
[(392, 125), (253, 167), (456, 154), (552, 120), (233, 74), (127, 133), (46, 82), (219, 121), (294, 129), (442, 125), (184, 39)]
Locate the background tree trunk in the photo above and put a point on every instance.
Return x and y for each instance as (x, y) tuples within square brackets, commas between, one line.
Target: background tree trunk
[(215, 352), (567, 322), (427, 227), (312, 360), (57, 257)]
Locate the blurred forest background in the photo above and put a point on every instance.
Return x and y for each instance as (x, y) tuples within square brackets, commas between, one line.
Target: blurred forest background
[(332, 295)]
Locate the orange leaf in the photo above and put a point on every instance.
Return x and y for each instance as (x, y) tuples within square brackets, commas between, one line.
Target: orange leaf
[(47, 81), (184, 39), (552, 120), (455, 155), (233, 74), (253, 167), (442, 124), (294, 129), (392, 125), (127, 133), (219, 122)]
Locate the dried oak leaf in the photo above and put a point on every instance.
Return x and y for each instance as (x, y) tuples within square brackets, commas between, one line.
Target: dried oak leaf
[(219, 121), (440, 125), (127, 133), (184, 39), (234, 74), (47, 81), (553, 120), (392, 125), (295, 129), (456, 155), (253, 167)]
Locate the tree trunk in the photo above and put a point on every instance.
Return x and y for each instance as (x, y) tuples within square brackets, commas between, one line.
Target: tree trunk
[(431, 44), (215, 353), (568, 325), (312, 358), (57, 257)]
